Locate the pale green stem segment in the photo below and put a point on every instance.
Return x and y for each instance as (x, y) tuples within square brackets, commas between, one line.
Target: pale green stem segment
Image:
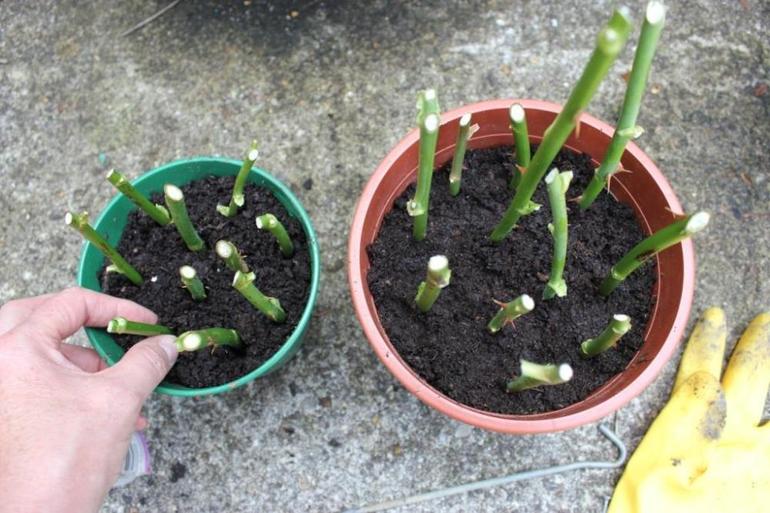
[(610, 41), (271, 223), (618, 326), (122, 326), (428, 122), (209, 337), (80, 223), (464, 133), (558, 183), (270, 306), (158, 213), (438, 277), (237, 199), (192, 283), (521, 139), (535, 375), (649, 247), (178, 209), (510, 311), (627, 129), (227, 251)]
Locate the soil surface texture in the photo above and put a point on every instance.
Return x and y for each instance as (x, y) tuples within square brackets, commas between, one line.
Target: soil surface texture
[(157, 252), (450, 346)]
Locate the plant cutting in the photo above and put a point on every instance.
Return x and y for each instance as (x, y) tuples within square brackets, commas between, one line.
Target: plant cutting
[(492, 259), (186, 280)]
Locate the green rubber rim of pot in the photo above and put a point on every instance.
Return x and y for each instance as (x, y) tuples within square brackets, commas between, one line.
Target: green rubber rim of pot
[(112, 221)]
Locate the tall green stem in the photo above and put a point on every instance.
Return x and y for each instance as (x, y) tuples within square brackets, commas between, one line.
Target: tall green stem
[(192, 283), (618, 326), (464, 133), (237, 200), (438, 277), (227, 251), (209, 337), (535, 375), (158, 213), (627, 129), (270, 306), (511, 311), (122, 326), (655, 243), (178, 209), (557, 183), (271, 223), (80, 223), (428, 122), (521, 139), (610, 42)]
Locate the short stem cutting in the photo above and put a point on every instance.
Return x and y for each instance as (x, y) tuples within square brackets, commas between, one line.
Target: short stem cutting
[(270, 306), (178, 209), (535, 375), (649, 247), (158, 213), (122, 326), (227, 251), (209, 337), (511, 311), (80, 223), (618, 326), (237, 199), (609, 43), (192, 283), (428, 122), (271, 223), (438, 277), (627, 129), (521, 140), (557, 183), (464, 133)]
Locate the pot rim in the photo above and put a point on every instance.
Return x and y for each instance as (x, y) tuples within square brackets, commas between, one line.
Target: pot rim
[(275, 186), (517, 424)]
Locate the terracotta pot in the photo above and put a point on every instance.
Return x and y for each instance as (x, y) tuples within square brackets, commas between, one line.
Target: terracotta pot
[(645, 189)]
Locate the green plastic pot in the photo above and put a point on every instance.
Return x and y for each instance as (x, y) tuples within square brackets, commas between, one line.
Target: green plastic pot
[(113, 219)]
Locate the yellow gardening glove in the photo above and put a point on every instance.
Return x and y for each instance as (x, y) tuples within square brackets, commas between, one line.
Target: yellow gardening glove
[(706, 451)]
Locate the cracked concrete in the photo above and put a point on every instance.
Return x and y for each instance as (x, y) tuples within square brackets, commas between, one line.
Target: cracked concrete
[(328, 88)]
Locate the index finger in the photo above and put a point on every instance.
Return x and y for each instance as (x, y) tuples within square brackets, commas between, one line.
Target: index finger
[(66, 312)]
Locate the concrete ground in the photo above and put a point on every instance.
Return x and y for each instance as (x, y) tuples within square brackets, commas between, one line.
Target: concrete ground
[(328, 87)]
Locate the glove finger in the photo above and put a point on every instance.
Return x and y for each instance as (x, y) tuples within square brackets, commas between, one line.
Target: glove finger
[(706, 347), (747, 376)]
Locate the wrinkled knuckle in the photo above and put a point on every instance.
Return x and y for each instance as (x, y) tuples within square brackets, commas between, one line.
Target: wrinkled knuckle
[(155, 360)]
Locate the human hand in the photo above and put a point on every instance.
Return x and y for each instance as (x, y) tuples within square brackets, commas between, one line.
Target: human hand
[(707, 451), (65, 419)]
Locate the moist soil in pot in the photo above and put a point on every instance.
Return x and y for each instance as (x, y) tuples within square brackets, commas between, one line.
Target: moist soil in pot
[(450, 346), (158, 251)]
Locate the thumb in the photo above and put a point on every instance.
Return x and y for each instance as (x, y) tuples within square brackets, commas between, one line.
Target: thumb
[(145, 365)]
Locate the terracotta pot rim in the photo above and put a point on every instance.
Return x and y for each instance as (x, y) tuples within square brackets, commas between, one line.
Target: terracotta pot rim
[(519, 424)]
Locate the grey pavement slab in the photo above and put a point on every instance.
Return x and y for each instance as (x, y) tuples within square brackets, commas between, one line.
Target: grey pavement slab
[(328, 87)]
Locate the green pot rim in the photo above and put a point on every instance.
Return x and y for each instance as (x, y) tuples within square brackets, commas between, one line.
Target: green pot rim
[(295, 339)]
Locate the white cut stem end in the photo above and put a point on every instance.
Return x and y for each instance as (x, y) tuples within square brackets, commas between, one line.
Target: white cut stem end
[(527, 302), (517, 113), (438, 263), (431, 123), (565, 372), (698, 222), (224, 249), (656, 12), (173, 192), (192, 342), (187, 272), (465, 120)]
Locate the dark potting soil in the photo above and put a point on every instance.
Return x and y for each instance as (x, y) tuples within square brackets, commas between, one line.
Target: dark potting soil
[(450, 346), (157, 252)]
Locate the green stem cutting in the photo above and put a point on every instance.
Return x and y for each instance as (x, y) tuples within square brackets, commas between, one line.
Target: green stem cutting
[(209, 337), (610, 41), (227, 251), (464, 133), (618, 326), (649, 247), (518, 118), (158, 213), (535, 375), (80, 223), (438, 277), (510, 311), (271, 223), (122, 326), (237, 200), (557, 184), (428, 122), (192, 283), (270, 306), (180, 217), (627, 129)]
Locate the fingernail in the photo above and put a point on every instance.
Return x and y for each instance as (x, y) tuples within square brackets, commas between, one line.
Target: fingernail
[(168, 344)]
